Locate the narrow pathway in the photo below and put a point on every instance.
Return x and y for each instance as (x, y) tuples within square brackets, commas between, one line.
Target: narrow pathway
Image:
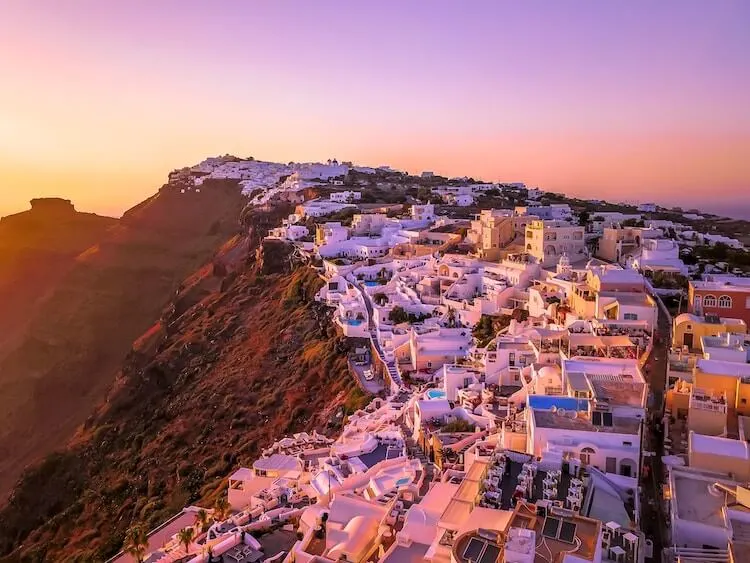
[(653, 519), (389, 364)]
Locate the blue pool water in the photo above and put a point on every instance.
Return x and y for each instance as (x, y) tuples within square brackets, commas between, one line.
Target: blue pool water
[(403, 481), (371, 283), (435, 394), (353, 322), (546, 402)]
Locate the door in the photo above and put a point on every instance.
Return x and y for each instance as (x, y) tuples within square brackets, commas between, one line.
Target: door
[(687, 340), (611, 465)]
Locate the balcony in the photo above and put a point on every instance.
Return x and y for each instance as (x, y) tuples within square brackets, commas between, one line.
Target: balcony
[(703, 401)]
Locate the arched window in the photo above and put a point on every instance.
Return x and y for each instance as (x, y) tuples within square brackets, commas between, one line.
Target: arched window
[(725, 302), (709, 301), (586, 454)]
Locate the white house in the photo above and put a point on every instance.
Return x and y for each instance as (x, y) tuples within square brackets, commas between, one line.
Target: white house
[(425, 212), (347, 196)]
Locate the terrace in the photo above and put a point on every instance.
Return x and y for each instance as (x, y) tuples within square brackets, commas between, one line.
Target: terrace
[(590, 345), (515, 477), (681, 365), (706, 401), (549, 341), (582, 422), (559, 532)]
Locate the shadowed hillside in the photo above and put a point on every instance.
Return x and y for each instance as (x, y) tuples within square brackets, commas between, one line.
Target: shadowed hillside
[(37, 248), (242, 354), (94, 292)]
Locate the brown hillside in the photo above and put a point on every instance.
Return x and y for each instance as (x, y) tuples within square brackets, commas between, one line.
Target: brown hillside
[(37, 249), (76, 337), (242, 355)]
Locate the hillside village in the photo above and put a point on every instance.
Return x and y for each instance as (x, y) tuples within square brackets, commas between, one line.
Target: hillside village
[(551, 380)]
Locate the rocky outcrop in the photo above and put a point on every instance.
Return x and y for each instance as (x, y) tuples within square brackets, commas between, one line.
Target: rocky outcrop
[(52, 205)]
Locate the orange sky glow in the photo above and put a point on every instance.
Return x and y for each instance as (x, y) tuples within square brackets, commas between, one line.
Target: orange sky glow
[(100, 102)]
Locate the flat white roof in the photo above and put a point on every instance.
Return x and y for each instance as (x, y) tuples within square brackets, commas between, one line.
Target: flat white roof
[(726, 447), (242, 474), (722, 367), (279, 462)]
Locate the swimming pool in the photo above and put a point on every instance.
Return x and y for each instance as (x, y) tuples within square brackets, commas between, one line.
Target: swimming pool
[(353, 322), (433, 394), (546, 402), (403, 481), (371, 283)]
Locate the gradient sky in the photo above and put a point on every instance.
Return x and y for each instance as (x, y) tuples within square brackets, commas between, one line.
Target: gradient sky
[(625, 100)]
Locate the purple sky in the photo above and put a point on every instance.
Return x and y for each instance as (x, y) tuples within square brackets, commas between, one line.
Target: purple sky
[(620, 100)]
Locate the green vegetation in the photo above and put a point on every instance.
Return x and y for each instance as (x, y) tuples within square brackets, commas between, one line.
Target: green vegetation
[(459, 425), (356, 400), (488, 327), (136, 542), (633, 223), (664, 280), (398, 315), (185, 537), (720, 252)]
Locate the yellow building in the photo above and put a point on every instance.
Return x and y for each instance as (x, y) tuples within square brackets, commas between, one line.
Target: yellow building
[(688, 329), (728, 379), (547, 241), (721, 455), (491, 231), (582, 301)]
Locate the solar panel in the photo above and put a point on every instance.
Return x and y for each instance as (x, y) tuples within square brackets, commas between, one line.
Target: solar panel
[(607, 419), (551, 527), (474, 549), (491, 554), (567, 532)]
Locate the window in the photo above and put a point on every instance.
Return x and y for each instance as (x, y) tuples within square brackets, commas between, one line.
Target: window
[(747, 302), (631, 316), (709, 301), (627, 444), (512, 359), (725, 302), (586, 454)]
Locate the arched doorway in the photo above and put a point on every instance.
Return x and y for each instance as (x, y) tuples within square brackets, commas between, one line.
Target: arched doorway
[(586, 455)]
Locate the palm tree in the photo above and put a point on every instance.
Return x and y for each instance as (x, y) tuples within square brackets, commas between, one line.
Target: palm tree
[(185, 537), (136, 542), (221, 509), (202, 520)]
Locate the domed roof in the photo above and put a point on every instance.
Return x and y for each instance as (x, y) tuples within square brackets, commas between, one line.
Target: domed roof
[(685, 318), (549, 371)]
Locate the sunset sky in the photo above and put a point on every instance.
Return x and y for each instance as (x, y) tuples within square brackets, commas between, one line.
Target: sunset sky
[(625, 100)]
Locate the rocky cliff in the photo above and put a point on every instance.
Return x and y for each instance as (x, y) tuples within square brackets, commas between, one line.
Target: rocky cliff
[(240, 355), (76, 290)]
